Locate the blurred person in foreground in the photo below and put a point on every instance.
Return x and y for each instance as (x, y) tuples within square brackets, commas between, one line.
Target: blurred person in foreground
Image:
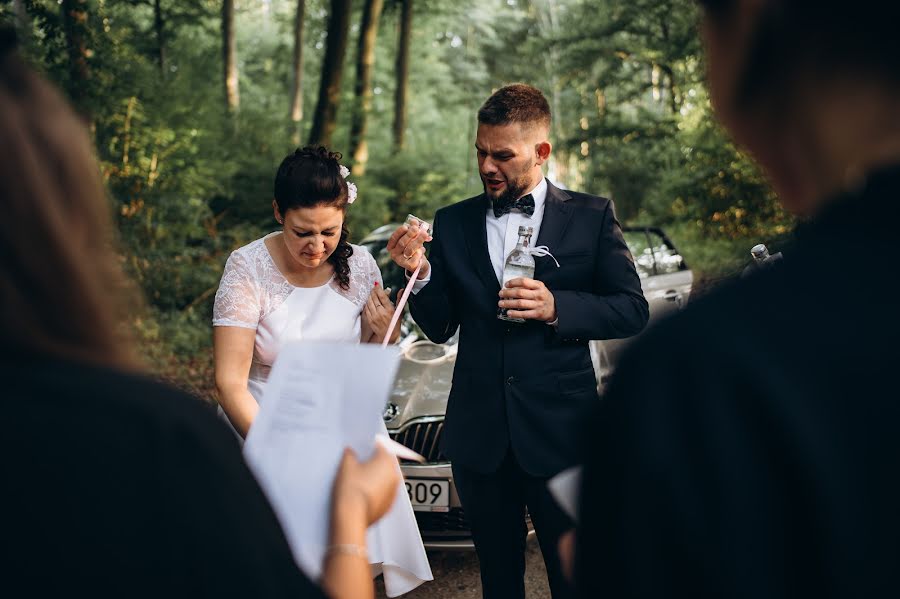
[(116, 485), (749, 446)]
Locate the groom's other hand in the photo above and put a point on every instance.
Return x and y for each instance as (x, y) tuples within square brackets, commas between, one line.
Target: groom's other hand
[(529, 299), (406, 248)]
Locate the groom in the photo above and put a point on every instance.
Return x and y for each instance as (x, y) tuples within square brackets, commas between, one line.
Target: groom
[(519, 390)]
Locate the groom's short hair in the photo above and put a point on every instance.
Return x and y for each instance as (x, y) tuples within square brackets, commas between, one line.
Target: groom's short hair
[(516, 103)]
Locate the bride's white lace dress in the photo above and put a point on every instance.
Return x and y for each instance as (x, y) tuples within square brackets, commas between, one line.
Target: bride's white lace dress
[(254, 294)]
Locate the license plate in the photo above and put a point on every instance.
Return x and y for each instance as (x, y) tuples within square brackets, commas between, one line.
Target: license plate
[(428, 495)]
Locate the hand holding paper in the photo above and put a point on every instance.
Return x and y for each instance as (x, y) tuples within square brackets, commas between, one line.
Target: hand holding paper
[(374, 482)]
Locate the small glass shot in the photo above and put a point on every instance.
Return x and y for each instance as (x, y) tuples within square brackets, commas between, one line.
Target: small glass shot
[(415, 220)]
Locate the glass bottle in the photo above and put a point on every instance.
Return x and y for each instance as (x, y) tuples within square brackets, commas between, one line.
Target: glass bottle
[(761, 259), (760, 253), (519, 263)]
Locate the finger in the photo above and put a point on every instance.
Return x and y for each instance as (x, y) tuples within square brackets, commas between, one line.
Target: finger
[(520, 304), (382, 297), (422, 235), (416, 258), (372, 314), (382, 456), (395, 237), (409, 258), (349, 457), (410, 244), (406, 247), (526, 283), (370, 303), (519, 292)]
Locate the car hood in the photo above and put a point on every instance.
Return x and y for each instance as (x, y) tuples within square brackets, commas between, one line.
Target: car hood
[(423, 381)]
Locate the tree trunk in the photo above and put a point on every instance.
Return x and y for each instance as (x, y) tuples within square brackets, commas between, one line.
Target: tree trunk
[(75, 17), (229, 56), (158, 23), (296, 111), (325, 117), (365, 61), (402, 74), (23, 27)]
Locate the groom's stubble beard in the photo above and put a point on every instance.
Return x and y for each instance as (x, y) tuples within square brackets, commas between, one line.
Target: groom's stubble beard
[(515, 188)]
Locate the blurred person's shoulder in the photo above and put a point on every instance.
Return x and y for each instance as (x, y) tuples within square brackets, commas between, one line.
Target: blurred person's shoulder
[(151, 472), (96, 400), (726, 328)]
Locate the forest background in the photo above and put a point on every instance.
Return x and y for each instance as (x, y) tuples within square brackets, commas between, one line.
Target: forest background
[(193, 103)]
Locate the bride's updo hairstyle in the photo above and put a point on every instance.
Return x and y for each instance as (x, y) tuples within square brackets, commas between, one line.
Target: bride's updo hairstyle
[(311, 177)]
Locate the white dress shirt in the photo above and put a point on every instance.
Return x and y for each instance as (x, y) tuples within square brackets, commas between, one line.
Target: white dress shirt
[(503, 232)]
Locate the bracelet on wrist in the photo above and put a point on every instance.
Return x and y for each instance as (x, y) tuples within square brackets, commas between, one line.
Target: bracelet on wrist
[(347, 549)]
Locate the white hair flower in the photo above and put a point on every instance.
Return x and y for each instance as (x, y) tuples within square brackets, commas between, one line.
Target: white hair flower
[(351, 187)]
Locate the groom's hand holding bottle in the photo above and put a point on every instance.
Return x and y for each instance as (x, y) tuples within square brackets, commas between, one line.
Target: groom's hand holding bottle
[(406, 248)]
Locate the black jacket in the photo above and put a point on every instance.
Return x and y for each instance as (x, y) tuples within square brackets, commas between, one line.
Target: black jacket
[(117, 486), (526, 384), (750, 446)]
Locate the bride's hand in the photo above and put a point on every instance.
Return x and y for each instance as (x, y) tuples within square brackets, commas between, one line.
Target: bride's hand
[(377, 314)]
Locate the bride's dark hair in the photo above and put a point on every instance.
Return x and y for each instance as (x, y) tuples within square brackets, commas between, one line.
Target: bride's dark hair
[(310, 177)]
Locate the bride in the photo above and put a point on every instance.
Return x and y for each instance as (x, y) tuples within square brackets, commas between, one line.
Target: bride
[(307, 282)]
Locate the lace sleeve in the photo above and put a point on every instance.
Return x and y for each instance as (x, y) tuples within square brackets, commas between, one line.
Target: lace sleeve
[(237, 300), (374, 273)]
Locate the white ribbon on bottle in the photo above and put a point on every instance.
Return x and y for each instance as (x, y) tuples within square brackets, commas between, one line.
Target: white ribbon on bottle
[(541, 250)]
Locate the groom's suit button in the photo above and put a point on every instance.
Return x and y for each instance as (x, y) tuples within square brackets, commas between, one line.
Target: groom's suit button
[(511, 380)]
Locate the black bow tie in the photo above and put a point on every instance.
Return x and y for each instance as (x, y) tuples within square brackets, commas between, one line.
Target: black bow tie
[(525, 204)]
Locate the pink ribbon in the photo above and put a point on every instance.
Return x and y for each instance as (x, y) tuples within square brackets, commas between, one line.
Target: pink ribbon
[(400, 303)]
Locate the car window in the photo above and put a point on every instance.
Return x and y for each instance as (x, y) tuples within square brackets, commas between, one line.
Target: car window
[(639, 247), (667, 259)]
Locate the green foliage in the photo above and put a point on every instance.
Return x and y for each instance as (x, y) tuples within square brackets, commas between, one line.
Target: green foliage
[(189, 183)]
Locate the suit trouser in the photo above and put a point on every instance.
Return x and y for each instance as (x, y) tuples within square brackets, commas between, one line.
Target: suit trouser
[(495, 505)]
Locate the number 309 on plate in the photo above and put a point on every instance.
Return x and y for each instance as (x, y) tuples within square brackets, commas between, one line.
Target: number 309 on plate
[(428, 495)]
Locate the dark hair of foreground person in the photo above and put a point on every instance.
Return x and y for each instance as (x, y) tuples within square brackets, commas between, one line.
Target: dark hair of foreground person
[(116, 485)]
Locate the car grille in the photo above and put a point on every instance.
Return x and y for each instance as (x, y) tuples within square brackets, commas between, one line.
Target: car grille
[(441, 525), (437, 526), (424, 438)]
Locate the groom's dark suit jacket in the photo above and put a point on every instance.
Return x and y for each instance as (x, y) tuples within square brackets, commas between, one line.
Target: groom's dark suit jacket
[(527, 385)]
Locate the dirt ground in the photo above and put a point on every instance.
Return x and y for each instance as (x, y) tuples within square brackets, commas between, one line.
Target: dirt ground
[(456, 576)]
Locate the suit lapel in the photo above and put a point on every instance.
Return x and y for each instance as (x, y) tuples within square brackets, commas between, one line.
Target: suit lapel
[(476, 241), (557, 214)]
